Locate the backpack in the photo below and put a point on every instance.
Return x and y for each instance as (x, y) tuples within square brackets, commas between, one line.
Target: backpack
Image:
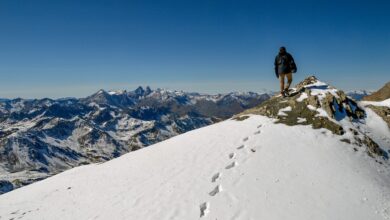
[(288, 63)]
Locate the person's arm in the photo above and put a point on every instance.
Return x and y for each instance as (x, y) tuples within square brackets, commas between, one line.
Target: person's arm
[(292, 63), (290, 58)]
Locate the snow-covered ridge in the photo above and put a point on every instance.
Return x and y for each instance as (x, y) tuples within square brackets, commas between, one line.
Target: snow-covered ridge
[(314, 155), (230, 170), (320, 105), (385, 103), (39, 138)]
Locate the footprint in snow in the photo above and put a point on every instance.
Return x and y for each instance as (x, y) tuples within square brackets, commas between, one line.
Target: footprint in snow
[(216, 190), (253, 150), (245, 139), (240, 147), (231, 165), (259, 126), (216, 177), (204, 209), (257, 132), (232, 155)]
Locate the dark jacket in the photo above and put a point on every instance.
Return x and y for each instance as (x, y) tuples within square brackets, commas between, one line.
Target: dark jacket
[(284, 63)]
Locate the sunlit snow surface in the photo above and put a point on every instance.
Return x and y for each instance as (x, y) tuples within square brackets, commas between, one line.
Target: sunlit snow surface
[(250, 169), (382, 103)]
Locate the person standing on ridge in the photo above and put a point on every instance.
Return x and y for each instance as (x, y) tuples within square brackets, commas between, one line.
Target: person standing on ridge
[(284, 67)]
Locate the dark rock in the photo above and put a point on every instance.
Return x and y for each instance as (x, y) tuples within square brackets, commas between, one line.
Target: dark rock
[(5, 186)]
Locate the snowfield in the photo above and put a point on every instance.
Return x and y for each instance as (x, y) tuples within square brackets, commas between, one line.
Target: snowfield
[(381, 103), (243, 170)]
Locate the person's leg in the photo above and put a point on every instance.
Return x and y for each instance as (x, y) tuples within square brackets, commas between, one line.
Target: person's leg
[(289, 80), (281, 80)]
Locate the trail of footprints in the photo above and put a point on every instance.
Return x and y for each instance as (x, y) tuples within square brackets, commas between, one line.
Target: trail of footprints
[(215, 177), (216, 190), (233, 164), (205, 207)]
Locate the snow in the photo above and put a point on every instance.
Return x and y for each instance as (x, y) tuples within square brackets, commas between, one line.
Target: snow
[(282, 111), (117, 92), (230, 170), (373, 125), (301, 120), (322, 113), (302, 97), (375, 128), (101, 91), (360, 92), (311, 107), (320, 89), (385, 103)]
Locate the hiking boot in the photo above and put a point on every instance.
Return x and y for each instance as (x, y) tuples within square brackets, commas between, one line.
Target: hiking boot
[(286, 92)]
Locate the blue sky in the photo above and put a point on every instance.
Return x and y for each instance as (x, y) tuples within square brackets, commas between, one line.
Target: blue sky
[(73, 48)]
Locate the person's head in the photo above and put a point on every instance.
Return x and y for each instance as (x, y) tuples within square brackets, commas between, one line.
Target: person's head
[(282, 50)]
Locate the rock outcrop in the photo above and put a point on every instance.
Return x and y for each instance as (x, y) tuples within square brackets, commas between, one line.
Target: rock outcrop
[(320, 105)]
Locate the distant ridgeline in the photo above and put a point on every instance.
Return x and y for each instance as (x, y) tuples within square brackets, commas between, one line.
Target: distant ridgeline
[(39, 138)]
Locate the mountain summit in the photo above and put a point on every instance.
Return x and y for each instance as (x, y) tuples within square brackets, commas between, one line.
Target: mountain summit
[(320, 105), (314, 155)]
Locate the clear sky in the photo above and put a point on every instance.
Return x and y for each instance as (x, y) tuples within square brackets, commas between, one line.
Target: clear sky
[(62, 48)]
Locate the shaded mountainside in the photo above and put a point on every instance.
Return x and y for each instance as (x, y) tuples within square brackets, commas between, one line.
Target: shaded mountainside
[(320, 105), (39, 138), (380, 95)]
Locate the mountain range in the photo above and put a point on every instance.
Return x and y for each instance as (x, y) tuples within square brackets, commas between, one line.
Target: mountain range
[(359, 94), (43, 137), (316, 154)]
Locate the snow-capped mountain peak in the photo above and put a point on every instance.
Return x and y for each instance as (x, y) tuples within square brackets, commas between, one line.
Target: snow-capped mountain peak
[(117, 92), (359, 94)]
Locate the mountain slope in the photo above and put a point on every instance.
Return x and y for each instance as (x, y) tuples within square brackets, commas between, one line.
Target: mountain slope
[(40, 138), (295, 173), (253, 167), (380, 95)]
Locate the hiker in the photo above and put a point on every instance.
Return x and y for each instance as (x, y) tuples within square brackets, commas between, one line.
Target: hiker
[(284, 67)]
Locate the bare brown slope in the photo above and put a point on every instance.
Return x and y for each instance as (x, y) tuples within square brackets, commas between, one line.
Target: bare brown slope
[(380, 95)]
